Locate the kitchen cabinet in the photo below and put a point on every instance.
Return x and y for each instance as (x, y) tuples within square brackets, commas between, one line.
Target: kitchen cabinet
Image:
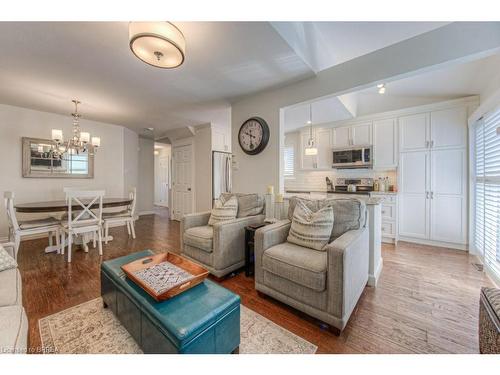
[(342, 137), (323, 142), (385, 144), (389, 212), (221, 140), (352, 135), (414, 132)]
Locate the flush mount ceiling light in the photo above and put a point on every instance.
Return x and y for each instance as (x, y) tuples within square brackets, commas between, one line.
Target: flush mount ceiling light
[(159, 44), (381, 88)]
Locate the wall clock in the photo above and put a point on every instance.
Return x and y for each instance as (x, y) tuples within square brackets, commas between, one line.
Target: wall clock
[(254, 135)]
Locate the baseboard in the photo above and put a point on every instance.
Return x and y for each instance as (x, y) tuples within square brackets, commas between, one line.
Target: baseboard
[(448, 245), (142, 213), (373, 279)]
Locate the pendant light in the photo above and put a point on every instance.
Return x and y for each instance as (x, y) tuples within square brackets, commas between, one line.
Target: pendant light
[(311, 149)]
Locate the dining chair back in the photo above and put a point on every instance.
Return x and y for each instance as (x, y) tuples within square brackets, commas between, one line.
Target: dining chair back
[(124, 217), (85, 219), (18, 229)]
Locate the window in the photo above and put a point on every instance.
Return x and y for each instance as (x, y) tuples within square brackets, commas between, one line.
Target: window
[(289, 161), (486, 229)]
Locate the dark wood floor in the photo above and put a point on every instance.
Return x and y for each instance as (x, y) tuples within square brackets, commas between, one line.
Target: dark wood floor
[(427, 299)]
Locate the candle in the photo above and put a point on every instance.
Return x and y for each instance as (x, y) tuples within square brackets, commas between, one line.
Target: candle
[(85, 137), (96, 141), (270, 189), (57, 135), (279, 198)]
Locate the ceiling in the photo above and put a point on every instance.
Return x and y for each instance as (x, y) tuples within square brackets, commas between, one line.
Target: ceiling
[(325, 44), (46, 64)]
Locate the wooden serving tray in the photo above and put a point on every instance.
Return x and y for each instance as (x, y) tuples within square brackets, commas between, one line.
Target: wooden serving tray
[(197, 271)]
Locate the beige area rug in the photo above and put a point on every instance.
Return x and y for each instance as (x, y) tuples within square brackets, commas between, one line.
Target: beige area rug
[(89, 328)]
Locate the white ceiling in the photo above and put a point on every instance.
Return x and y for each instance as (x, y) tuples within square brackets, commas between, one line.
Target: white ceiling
[(44, 65), (325, 44)]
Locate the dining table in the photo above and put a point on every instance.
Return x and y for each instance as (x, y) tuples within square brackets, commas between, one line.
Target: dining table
[(61, 206)]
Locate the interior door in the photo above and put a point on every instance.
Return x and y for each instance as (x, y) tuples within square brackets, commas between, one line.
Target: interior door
[(361, 134), (448, 217), (182, 182), (414, 132), (413, 201)]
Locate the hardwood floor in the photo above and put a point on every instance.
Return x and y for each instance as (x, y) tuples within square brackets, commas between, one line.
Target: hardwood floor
[(427, 299)]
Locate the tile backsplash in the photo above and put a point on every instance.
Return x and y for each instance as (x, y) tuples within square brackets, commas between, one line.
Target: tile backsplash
[(315, 180)]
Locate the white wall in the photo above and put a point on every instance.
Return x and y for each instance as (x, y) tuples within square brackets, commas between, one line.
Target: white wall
[(110, 172), (451, 44), (203, 168), (146, 176), (130, 159)]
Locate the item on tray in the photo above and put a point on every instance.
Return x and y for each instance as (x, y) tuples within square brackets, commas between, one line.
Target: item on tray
[(165, 275)]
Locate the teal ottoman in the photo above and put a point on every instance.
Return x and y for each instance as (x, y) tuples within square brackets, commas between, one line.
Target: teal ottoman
[(203, 319)]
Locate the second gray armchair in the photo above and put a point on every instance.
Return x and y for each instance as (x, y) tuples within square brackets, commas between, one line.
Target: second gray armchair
[(220, 248)]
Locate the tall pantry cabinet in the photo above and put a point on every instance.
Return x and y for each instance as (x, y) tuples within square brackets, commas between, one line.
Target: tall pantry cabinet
[(433, 176)]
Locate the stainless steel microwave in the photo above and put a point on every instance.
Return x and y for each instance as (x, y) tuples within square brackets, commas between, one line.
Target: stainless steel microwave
[(353, 157)]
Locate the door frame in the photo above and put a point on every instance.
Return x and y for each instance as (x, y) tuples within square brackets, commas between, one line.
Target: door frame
[(176, 144)]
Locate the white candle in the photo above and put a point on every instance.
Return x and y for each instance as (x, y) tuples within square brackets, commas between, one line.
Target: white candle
[(85, 137), (57, 135), (270, 189), (96, 141), (279, 198)]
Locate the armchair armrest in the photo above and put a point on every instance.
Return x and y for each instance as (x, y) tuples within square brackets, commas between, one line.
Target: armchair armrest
[(266, 237), (347, 270), (229, 240), (198, 219)]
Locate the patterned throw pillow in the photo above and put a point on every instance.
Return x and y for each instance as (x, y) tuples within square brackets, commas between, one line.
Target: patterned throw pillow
[(311, 229), (224, 210), (6, 261)]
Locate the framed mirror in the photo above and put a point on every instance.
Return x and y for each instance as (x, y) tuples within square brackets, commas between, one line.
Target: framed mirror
[(38, 161)]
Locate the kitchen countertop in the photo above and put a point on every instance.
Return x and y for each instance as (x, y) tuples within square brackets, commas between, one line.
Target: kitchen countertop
[(341, 192)]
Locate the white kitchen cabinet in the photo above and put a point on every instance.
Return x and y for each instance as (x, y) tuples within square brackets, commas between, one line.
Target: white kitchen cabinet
[(361, 134), (433, 196), (323, 141), (414, 132), (342, 137), (389, 213), (448, 128), (413, 198), (220, 140), (385, 144)]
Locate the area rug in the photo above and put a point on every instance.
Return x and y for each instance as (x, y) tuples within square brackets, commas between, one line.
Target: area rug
[(89, 328)]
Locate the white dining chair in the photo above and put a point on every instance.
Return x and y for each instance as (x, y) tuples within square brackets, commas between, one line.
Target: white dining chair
[(122, 217), (84, 220), (23, 228)]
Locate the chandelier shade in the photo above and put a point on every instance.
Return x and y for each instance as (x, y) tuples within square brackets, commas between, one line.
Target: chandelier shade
[(160, 44)]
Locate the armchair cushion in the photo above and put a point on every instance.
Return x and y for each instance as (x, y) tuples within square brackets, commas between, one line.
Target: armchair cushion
[(298, 264), (224, 210), (200, 237), (311, 229), (349, 213), (248, 204)]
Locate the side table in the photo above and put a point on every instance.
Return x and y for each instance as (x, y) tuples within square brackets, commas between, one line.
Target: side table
[(249, 247)]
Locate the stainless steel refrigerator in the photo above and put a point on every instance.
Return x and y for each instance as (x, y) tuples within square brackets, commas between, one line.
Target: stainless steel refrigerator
[(221, 174)]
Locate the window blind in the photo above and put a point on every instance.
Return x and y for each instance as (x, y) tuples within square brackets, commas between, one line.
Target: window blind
[(487, 190), (289, 161)]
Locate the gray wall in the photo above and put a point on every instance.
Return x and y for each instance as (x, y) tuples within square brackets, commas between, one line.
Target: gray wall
[(145, 186)]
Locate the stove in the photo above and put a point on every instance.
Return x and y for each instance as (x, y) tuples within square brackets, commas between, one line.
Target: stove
[(363, 185)]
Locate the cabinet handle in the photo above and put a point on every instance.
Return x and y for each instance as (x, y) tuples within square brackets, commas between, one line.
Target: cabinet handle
[(426, 195), (432, 144), (432, 195)]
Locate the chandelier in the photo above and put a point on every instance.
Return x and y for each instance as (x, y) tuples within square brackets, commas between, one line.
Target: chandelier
[(80, 142)]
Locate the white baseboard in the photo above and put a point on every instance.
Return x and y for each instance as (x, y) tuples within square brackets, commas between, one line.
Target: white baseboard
[(142, 213), (449, 245)]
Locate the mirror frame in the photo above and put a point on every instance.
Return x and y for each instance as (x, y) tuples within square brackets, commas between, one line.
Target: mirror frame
[(26, 141)]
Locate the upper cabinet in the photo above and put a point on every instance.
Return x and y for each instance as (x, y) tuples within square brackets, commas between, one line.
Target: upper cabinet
[(440, 129), (413, 132), (352, 135), (385, 144), (448, 128), (361, 134), (221, 139), (341, 137)]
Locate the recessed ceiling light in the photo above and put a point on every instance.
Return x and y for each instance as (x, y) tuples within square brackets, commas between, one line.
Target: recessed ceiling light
[(381, 88), (380, 85)]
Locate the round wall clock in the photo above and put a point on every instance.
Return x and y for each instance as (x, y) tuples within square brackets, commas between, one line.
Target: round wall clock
[(253, 135)]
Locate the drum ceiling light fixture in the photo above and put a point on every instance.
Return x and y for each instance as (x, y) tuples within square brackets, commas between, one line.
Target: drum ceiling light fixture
[(159, 44)]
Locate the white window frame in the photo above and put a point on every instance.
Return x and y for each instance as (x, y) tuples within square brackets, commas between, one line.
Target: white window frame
[(285, 170)]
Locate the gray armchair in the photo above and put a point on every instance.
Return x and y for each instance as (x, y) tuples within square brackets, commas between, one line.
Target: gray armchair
[(220, 248), (325, 284)]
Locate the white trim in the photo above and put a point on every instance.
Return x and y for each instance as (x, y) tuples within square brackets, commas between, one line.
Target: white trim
[(142, 213), (422, 241), (373, 279)]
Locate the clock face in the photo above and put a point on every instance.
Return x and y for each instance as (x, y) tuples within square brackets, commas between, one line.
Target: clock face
[(253, 135)]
